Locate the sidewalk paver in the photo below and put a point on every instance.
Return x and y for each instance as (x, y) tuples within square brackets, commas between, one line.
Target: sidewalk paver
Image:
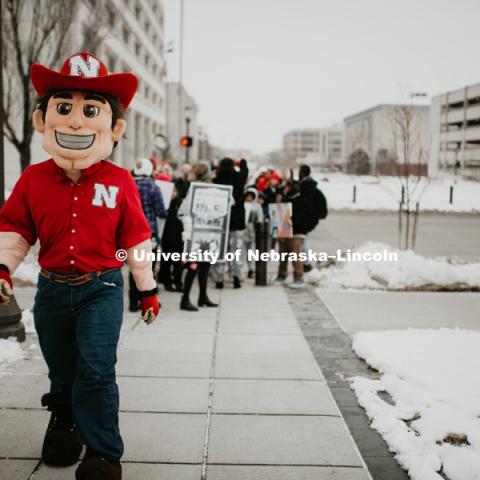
[(226, 393)]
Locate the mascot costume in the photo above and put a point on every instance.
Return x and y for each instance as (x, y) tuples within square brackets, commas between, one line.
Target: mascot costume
[(83, 209)]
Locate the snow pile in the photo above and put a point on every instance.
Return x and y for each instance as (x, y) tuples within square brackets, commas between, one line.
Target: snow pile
[(432, 419), (27, 320), (28, 270), (10, 351), (384, 193), (411, 271)]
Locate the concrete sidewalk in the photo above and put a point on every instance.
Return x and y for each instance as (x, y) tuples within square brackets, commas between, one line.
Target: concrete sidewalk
[(226, 393)]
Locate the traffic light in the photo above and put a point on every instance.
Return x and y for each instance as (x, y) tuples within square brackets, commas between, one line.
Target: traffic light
[(186, 142)]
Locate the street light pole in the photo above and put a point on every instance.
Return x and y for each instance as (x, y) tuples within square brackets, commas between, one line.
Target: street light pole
[(187, 132)]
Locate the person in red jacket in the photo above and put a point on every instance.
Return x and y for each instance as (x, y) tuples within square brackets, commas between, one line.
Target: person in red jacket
[(87, 215)]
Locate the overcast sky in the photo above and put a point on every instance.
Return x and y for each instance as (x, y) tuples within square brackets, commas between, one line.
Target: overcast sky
[(258, 68)]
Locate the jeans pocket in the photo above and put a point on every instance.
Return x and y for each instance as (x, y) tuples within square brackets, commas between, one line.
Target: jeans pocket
[(112, 279)]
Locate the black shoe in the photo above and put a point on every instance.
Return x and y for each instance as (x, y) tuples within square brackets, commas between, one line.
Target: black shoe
[(307, 268), (206, 302), (133, 308), (250, 274), (96, 467), (218, 285), (62, 445), (178, 287), (168, 287), (236, 283), (185, 304)]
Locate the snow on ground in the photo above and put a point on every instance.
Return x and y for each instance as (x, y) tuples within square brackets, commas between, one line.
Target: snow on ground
[(384, 193), (432, 420), (10, 351), (411, 271), (29, 269), (27, 320)]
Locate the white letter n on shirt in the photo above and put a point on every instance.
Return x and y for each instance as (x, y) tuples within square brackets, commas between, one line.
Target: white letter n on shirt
[(102, 195)]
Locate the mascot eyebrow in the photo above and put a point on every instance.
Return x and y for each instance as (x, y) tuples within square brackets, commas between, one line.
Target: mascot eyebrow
[(88, 96)]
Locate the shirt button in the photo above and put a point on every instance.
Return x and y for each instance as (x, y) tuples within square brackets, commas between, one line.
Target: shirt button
[(72, 262), (74, 214), (75, 198), (71, 247), (73, 230)]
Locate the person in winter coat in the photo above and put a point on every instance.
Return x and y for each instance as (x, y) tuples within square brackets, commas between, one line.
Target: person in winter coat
[(253, 215), (201, 172), (153, 208), (302, 222), (228, 175), (310, 191), (170, 273)]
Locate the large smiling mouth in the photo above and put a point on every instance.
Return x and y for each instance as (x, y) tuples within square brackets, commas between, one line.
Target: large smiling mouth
[(74, 142)]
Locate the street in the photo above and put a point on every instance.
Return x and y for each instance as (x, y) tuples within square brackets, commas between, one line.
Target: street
[(450, 235)]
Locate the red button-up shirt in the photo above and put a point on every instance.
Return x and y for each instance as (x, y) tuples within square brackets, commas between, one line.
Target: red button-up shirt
[(80, 225)]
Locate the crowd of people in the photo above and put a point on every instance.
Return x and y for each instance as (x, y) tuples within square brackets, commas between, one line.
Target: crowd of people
[(251, 196)]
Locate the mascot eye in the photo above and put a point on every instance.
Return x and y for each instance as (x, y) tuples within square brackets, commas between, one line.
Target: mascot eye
[(91, 111), (64, 108)]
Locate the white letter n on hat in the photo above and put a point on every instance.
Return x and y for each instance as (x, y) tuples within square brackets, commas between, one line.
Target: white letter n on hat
[(80, 67)]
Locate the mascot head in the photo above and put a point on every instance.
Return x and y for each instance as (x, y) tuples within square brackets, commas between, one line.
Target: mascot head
[(80, 109)]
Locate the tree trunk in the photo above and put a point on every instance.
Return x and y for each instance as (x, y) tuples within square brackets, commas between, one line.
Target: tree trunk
[(25, 155)]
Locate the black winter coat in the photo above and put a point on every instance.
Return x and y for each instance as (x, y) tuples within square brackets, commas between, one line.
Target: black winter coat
[(172, 234), (310, 191), (303, 219), (237, 180)]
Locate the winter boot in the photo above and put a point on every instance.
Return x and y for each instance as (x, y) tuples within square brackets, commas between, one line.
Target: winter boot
[(96, 467), (206, 302), (236, 283), (250, 274), (62, 445), (218, 285), (187, 305)]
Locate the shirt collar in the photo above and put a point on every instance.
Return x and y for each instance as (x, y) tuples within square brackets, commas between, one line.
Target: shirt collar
[(60, 175)]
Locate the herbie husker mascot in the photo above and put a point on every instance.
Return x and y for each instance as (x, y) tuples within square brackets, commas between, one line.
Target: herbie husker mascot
[(82, 209)]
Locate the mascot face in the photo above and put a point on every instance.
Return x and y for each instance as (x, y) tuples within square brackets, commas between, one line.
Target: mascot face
[(77, 129)]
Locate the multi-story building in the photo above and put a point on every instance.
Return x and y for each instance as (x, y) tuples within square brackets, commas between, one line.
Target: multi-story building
[(128, 35), (181, 111), (381, 132), (455, 125), (317, 146)]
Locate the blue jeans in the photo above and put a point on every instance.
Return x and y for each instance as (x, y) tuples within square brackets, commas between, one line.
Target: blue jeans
[(78, 328)]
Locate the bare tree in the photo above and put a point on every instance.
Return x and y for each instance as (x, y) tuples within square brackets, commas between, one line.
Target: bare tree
[(409, 164), (33, 31)]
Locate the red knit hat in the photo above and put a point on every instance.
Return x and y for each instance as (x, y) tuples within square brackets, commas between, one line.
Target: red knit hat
[(85, 72)]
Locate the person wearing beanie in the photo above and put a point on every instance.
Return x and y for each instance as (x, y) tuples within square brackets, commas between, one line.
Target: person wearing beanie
[(153, 208), (253, 215)]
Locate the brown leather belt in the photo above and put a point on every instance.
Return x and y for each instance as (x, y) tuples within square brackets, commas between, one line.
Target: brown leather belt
[(74, 279)]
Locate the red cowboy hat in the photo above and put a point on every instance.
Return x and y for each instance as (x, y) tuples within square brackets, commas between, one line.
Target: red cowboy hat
[(85, 72)]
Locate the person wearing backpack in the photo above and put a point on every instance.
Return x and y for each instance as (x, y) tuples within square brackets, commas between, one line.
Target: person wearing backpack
[(310, 191)]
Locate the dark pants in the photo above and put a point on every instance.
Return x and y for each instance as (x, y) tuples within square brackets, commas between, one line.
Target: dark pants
[(78, 328), (202, 268)]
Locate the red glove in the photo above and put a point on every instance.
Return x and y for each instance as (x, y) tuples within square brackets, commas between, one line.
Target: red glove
[(6, 285), (150, 307)]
